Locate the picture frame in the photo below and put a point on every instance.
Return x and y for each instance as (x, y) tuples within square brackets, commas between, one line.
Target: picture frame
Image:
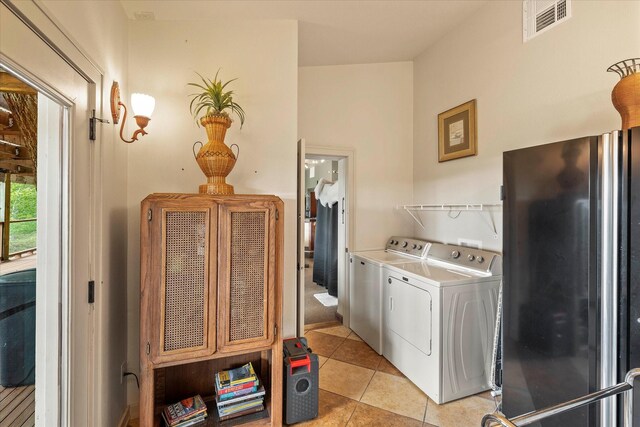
[(457, 132)]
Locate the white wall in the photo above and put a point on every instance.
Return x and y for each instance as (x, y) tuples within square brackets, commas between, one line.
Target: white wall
[(367, 108), (100, 29), (320, 170), (164, 57), (553, 87)]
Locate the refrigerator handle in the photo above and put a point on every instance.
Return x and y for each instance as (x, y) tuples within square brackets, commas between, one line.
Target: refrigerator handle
[(609, 271)]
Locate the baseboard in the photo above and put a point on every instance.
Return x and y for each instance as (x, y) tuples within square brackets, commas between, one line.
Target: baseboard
[(134, 411), (124, 419)]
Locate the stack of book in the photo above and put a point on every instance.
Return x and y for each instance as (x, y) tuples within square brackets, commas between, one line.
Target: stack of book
[(185, 413), (238, 392)]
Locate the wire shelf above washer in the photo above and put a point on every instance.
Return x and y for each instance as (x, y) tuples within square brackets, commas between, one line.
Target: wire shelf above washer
[(451, 207), (458, 207)]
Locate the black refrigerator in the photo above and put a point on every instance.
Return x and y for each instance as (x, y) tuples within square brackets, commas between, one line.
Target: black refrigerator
[(571, 292)]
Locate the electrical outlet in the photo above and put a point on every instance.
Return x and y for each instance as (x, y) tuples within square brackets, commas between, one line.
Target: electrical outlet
[(123, 369)]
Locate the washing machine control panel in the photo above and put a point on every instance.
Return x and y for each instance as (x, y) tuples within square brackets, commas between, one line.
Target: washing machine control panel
[(463, 256), (408, 246)]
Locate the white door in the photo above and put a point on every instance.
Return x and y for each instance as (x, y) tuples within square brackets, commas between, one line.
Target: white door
[(300, 252), (409, 313), (343, 248), (64, 318)]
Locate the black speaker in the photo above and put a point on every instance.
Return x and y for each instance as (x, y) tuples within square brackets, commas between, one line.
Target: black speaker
[(300, 381)]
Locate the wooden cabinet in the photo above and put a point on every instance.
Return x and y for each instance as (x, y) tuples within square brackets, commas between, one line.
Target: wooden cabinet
[(211, 297)]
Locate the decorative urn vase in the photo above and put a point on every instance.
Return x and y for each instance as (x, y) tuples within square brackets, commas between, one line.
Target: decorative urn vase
[(215, 158), (626, 94)]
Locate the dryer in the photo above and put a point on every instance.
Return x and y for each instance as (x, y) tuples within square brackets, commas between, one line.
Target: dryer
[(365, 284), (439, 319)]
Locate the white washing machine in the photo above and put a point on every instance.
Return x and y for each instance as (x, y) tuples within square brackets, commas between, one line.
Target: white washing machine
[(365, 284), (439, 319)]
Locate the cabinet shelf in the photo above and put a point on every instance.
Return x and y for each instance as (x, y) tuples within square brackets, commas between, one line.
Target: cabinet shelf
[(456, 207), (173, 383), (211, 300)]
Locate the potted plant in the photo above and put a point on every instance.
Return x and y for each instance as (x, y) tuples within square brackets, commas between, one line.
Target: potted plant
[(215, 158)]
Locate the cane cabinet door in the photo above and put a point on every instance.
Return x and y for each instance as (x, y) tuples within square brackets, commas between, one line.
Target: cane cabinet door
[(180, 299), (246, 274)]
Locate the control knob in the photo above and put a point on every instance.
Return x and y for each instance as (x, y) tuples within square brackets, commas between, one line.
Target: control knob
[(480, 259), (405, 244), (471, 257), (455, 254), (419, 247), (415, 246)]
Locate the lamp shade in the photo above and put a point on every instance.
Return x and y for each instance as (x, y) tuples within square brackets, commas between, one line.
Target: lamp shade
[(142, 104)]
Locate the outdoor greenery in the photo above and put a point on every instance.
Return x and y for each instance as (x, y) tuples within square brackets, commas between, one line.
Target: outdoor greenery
[(23, 206)]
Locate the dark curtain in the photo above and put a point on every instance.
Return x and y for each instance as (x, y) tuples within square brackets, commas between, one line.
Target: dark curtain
[(325, 254)]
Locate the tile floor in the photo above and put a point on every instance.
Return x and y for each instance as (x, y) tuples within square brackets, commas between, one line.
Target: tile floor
[(358, 387)]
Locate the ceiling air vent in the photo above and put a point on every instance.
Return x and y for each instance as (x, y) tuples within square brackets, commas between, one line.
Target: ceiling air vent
[(541, 15)]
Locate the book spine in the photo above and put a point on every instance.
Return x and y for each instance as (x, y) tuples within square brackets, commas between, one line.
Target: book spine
[(244, 380), (242, 413), (240, 393), (233, 388), (242, 398)]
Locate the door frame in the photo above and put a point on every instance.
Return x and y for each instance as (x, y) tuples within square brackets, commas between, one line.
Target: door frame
[(58, 387), (347, 155)]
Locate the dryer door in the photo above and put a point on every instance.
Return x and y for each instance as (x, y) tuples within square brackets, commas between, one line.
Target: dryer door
[(410, 313)]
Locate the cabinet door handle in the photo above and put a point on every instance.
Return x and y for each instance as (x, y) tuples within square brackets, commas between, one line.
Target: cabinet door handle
[(390, 303), (362, 262)]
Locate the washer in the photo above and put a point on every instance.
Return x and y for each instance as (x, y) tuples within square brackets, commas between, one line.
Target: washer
[(365, 290), (439, 319)]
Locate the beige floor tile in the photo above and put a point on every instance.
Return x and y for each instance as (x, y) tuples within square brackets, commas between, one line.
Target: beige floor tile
[(321, 361), (464, 412), (357, 353), (388, 368), (339, 331), (353, 336), (369, 416), (395, 394), (333, 411), (323, 344), (344, 379), (486, 395)]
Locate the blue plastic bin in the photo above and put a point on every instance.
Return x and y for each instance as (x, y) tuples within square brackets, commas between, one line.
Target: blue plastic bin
[(18, 328)]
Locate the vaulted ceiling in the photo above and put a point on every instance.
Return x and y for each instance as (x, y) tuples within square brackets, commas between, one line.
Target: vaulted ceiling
[(331, 32)]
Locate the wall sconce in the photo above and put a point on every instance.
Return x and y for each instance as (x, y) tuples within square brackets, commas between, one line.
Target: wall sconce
[(142, 106)]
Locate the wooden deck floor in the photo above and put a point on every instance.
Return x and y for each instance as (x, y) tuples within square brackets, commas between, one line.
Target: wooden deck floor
[(17, 406), (28, 261)]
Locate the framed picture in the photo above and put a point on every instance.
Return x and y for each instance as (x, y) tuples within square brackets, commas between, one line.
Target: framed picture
[(457, 133)]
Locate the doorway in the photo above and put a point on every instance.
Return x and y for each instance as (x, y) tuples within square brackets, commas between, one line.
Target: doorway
[(325, 194), (323, 199), (19, 114), (64, 265)]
